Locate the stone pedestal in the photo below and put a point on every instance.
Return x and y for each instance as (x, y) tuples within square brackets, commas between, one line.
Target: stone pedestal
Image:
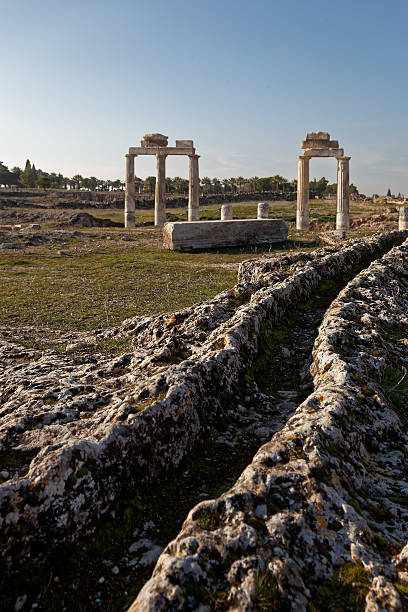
[(193, 189), (263, 210), (130, 191), (160, 191), (302, 211), (343, 178), (226, 212), (216, 234), (403, 218)]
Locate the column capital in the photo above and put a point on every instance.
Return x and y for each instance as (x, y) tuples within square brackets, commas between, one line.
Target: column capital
[(343, 158), (303, 157), (161, 155), (194, 156)]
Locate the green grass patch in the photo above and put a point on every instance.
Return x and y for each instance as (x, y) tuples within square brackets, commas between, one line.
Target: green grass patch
[(402, 588), (101, 282), (345, 592), (92, 290), (267, 597), (395, 385), (208, 519)]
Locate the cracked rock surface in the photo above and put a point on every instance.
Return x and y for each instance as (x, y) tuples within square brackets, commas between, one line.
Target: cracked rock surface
[(79, 429), (320, 515)]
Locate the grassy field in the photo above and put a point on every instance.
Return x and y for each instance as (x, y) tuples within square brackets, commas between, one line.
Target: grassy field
[(95, 278)]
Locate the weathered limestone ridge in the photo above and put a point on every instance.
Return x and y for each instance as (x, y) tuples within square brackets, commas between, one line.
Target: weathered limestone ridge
[(78, 431), (321, 514)]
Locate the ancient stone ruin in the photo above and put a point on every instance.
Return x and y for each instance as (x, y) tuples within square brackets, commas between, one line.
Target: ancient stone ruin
[(157, 144), (403, 218), (318, 144), (225, 233), (300, 529), (80, 433)]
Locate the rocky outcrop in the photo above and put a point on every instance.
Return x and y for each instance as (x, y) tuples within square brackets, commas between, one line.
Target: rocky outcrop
[(319, 517), (79, 430)]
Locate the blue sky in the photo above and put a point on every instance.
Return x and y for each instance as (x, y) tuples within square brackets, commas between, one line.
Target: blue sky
[(83, 80)]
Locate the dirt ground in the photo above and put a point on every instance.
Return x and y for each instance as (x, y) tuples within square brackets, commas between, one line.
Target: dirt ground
[(61, 270)]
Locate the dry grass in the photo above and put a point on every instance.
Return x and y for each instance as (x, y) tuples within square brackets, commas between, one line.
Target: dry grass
[(106, 275)]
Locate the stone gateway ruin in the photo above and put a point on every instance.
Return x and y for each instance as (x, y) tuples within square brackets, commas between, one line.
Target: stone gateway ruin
[(318, 144), (157, 144)]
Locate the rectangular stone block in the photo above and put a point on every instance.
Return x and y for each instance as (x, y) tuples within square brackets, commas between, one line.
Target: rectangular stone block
[(186, 144), (160, 150), (324, 152), (190, 235)]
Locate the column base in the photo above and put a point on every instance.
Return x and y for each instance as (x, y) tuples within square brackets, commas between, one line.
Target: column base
[(302, 223), (130, 219), (226, 212), (342, 221), (193, 214), (160, 218)]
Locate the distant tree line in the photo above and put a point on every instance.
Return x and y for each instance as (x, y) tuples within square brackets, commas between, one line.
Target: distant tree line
[(31, 177)]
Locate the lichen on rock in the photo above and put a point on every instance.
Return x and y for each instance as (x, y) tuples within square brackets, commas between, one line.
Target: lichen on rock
[(322, 509)]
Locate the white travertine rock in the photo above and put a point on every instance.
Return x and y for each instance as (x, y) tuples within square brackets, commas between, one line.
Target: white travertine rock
[(333, 480), (72, 425)]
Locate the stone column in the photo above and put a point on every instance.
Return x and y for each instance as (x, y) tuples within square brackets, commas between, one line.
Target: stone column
[(130, 191), (263, 210), (160, 190), (302, 211), (193, 189), (403, 218), (343, 177), (226, 212)]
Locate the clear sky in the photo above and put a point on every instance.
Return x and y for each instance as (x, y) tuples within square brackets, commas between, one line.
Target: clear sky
[(83, 80)]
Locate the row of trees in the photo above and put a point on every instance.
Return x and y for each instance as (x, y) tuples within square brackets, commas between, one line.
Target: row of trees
[(31, 177)]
